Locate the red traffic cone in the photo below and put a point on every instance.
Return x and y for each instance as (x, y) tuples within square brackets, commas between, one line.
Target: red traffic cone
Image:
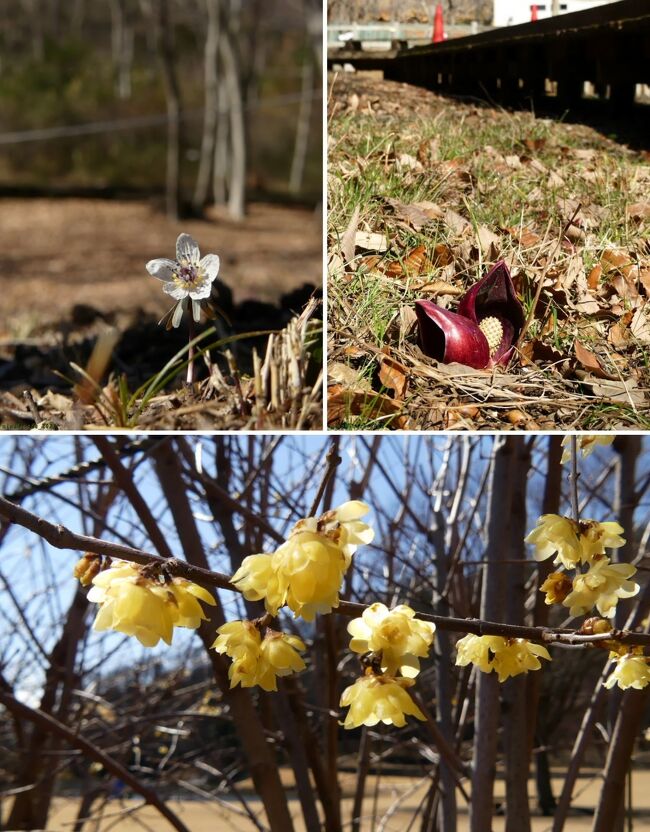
[(438, 26), (533, 13)]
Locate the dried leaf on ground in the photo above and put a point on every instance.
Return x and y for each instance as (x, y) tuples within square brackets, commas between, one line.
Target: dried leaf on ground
[(343, 403), (394, 376), (591, 362)]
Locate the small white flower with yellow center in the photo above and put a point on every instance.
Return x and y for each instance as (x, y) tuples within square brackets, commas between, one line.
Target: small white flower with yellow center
[(507, 656), (601, 586), (586, 444), (573, 542), (257, 660), (400, 638), (306, 572), (373, 699), (631, 670), (133, 603), (190, 276)]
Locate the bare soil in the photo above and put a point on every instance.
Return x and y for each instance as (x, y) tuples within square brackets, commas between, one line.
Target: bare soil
[(399, 798), (70, 268), (57, 253)]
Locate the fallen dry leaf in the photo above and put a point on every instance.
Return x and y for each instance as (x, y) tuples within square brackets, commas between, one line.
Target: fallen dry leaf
[(348, 238), (591, 362), (626, 391), (342, 403), (412, 264), (393, 376), (640, 326), (371, 241)]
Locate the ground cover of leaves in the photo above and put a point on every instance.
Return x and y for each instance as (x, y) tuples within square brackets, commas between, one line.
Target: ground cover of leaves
[(73, 269), (426, 193)]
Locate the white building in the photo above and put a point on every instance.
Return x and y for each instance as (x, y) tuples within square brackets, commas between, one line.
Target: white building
[(511, 12)]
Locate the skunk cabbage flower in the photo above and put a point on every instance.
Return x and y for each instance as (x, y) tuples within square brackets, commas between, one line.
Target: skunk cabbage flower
[(483, 331)]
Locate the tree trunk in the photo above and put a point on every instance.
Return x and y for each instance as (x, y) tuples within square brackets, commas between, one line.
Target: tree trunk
[(514, 691), (263, 765), (237, 145), (301, 144), (628, 724), (222, 142), (211, 107), (487, 687), (164, 43)]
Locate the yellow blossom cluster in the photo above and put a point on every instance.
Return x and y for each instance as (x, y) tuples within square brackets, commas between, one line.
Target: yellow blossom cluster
[(631, 669), (573, 542), (506, 656), (582, 544), (379, 698), (306, 572), (148, 608), (587, 442), (396, 634), (395, 641), (257, 660)]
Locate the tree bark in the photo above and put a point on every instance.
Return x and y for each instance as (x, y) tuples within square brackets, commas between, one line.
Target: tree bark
[(517, 758), (487, 687), (165, 47), (211, 106), (301, 144), (263, 766), (621, 746), (237, 143)]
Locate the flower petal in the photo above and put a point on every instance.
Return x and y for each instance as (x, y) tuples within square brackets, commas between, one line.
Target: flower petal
[(187, 249), (494, 296), (176, 292), (448, 337), (210, 265), (163, 268), (178, 314), (201, 292)]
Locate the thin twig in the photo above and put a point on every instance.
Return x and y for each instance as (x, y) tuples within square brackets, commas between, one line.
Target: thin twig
[(573, 479), (62, 538)]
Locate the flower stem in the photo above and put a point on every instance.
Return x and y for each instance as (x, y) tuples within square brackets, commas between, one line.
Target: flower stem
[(190, 355)]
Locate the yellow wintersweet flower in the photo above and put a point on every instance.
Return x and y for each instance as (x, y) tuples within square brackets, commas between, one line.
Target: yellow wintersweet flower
[(574, 542), (479, 650), (257, 579), (596, 537), (279, 657), (557, 586), (631, 671), (145, 607), (556, 534), (374, 699), (586, 444), (601, 586), (396, 634), (257, 660), (518, 656), (306, 572), (507, 656)]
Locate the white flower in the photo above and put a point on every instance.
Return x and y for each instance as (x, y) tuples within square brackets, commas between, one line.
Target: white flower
[(189, 276)]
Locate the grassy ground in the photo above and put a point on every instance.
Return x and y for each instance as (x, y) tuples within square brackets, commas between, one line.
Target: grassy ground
[(425, 194)]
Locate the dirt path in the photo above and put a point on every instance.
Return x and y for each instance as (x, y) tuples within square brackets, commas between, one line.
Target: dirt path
[(55, 253)]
